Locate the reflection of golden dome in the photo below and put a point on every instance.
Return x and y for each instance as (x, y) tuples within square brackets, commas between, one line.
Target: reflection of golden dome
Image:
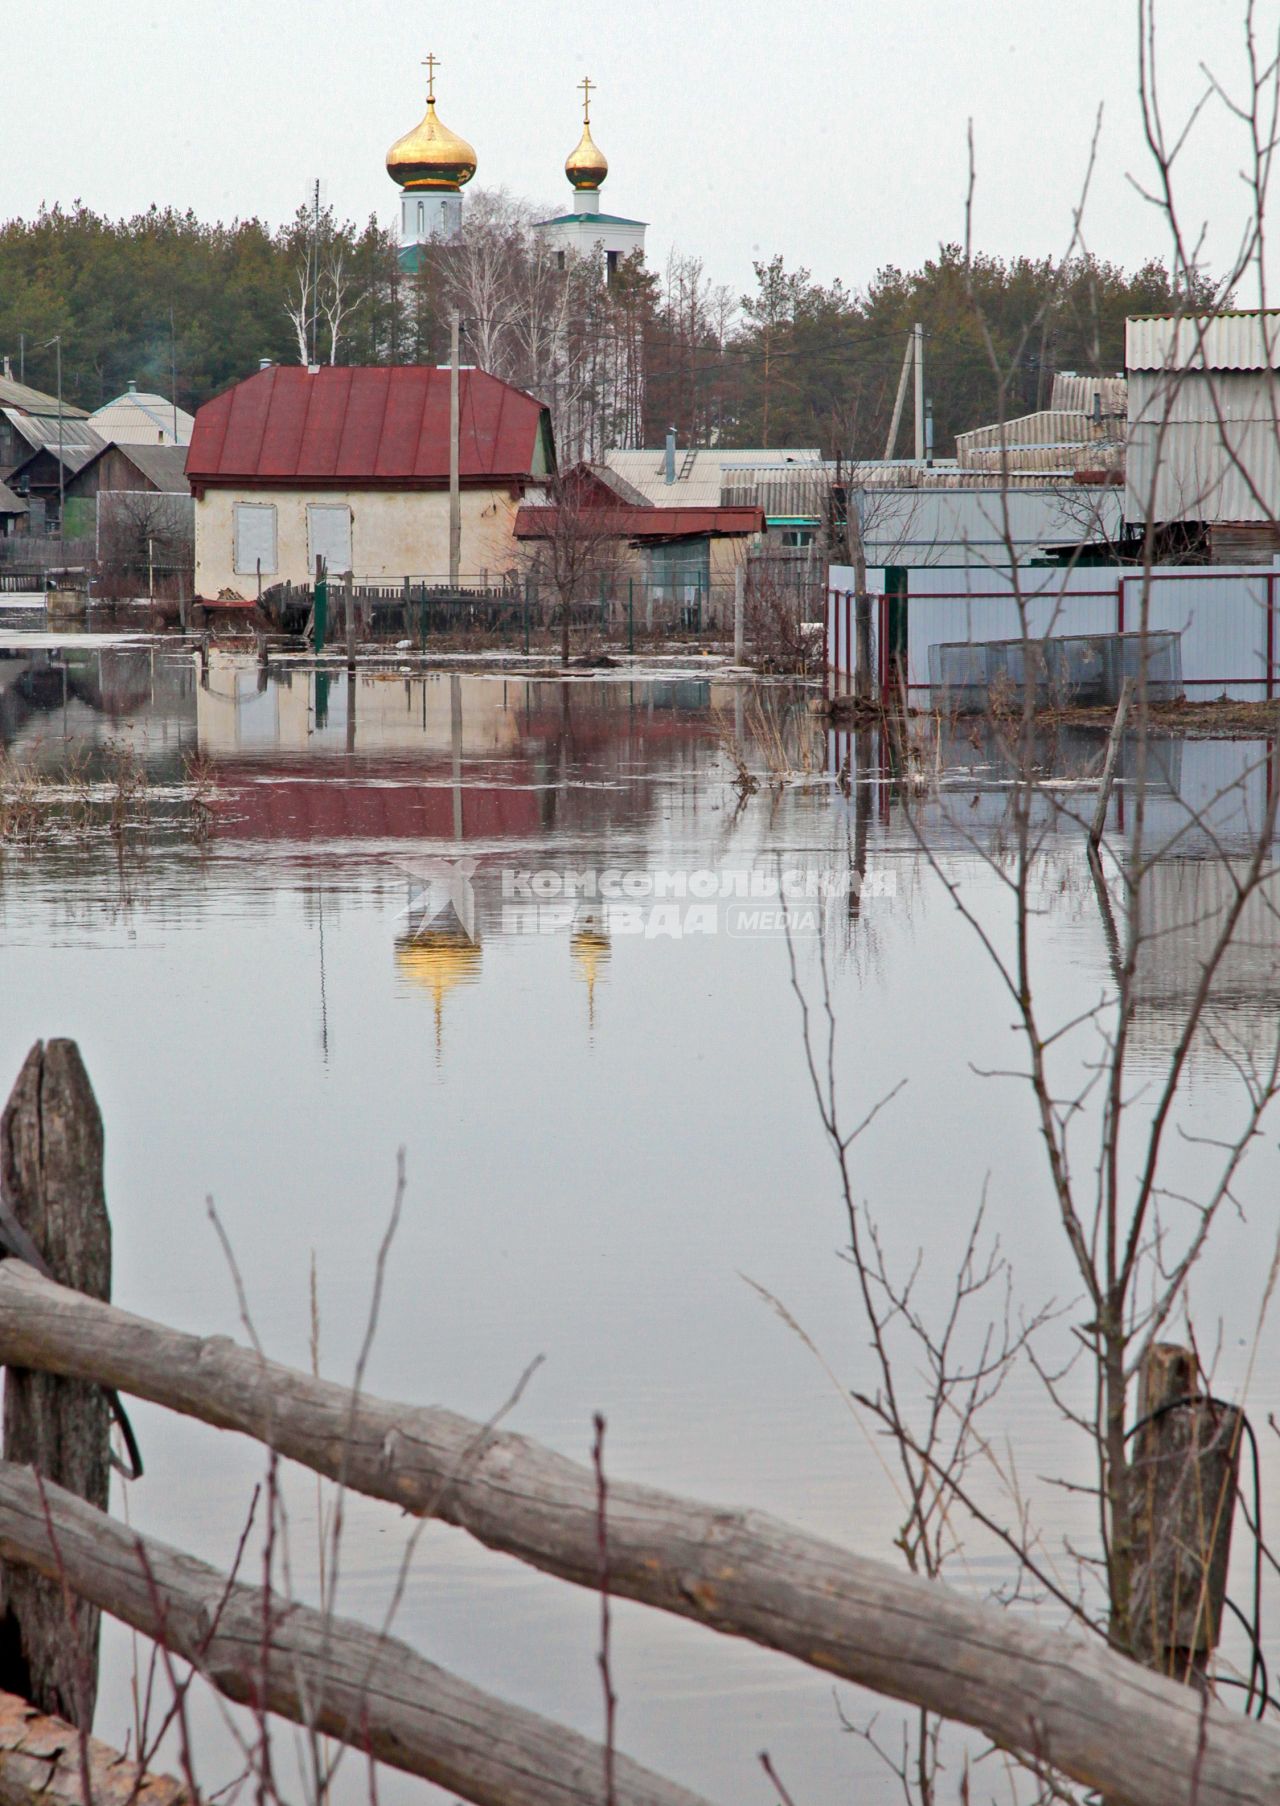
[(439, 960), (589, 950), (431, 156), (587, 166)]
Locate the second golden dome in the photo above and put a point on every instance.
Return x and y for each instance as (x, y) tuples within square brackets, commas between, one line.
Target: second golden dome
[(587, 166)]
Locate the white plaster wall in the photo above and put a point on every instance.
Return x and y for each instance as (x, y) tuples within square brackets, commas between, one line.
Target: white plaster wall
[(588, 237), (394, 534)]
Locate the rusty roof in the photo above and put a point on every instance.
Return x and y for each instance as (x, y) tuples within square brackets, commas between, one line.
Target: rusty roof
[(362, 427)]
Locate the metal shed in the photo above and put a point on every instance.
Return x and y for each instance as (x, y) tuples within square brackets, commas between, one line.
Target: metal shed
[(1204, 408)]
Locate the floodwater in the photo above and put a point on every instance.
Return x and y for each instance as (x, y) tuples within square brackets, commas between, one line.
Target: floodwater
[(385, 937)]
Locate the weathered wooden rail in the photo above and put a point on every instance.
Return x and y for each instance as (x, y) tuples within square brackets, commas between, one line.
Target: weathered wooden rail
[(1058, 1697), (331, 1674)]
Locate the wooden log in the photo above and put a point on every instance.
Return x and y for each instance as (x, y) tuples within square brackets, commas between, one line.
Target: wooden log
[(51, 1180), (1183, 1472), (46, 1762), (333, 1674), (1060, 1696)]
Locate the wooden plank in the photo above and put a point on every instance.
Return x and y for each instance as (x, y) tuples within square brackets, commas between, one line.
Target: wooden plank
[(1058, 1695), (45, 1762), (52, 1185), (333, 1674)]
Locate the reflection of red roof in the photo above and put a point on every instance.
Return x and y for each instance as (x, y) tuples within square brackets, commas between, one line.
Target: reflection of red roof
[(365, 427), (254, 803), (645, 523)]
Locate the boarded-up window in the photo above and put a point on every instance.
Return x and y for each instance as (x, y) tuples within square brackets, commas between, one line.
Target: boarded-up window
[(255, 536), (329, 536)]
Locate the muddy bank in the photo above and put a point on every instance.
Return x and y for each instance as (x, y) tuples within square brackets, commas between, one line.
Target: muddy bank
[(1219, 719)]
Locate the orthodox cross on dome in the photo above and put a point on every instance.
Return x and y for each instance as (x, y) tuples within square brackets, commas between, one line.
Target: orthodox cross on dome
[(586, 84), (431, 63)]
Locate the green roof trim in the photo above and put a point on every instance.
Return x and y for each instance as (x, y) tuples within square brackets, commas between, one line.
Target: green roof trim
[(599, 219)]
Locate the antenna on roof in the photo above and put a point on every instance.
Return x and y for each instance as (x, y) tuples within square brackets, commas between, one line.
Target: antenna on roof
[(319, 199)]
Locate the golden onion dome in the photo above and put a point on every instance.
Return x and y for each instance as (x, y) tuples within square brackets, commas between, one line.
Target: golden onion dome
[(587, 166), (431, 156)]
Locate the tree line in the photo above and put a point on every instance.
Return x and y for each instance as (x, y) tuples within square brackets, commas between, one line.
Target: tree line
[(792, 363)]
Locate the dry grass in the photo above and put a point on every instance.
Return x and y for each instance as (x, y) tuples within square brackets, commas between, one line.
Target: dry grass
[(1221, 719), (69, 802)]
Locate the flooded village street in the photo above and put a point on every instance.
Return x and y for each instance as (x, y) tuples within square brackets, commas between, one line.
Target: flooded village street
[(519, 927)]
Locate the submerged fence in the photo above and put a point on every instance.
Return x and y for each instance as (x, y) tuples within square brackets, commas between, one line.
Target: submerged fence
[(1225, 618), (620, 612)]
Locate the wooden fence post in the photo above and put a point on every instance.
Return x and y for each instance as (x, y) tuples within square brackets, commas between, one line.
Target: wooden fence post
[(1183, 1472), (51, 1179)]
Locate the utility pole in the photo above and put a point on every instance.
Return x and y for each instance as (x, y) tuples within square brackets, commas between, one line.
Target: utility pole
[(455, 489), (57, 340), (892, 440), (173, 375), (919, 395)]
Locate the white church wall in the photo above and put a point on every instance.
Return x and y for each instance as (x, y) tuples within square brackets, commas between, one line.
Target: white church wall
[(593, 236), (427, 215)]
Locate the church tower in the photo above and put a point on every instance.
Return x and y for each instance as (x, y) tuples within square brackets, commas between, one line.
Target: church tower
[(585, 229), (432, 166)]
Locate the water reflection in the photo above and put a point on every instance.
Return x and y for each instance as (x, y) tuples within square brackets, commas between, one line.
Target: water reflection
[(638, 770), (605, 1127)]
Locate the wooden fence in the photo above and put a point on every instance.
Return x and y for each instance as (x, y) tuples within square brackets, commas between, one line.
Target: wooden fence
[(1059, 1697), (425, 609)]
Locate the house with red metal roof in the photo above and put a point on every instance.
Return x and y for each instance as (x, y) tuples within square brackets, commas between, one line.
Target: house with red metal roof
[(352, 465)]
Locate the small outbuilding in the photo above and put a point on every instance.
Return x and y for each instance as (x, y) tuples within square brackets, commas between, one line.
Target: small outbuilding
[(352, 465), (679, 551), (59, 450), (12, 510), (1203, 461), (132, 493)]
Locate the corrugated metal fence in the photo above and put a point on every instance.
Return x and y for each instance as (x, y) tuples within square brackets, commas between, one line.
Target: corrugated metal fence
[(1226, 617)]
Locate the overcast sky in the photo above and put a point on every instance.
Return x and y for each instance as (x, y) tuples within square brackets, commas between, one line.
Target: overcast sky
[(831, 131)]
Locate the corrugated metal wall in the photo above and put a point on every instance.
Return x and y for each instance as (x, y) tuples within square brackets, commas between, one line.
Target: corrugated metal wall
[(1078, 392), (1052, 426), (1228, 341), (1219, 457), (962, 526), (1226, 617)]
